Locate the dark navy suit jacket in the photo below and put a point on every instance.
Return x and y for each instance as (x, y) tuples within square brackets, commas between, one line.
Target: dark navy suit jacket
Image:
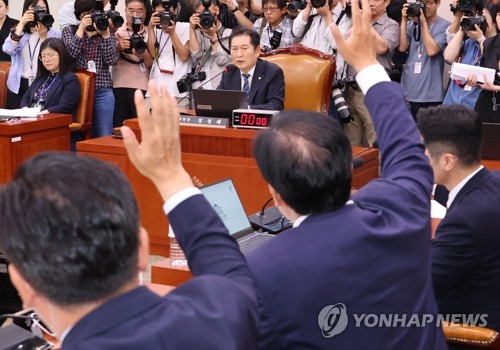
[(268, 85), (466, 251), (372, 255), (215, 310), (62, 97)]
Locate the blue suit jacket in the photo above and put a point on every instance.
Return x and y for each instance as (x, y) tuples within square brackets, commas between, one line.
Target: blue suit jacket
[(215, 310), (466, 253), (372, 255), (268, 85), (63, 96)]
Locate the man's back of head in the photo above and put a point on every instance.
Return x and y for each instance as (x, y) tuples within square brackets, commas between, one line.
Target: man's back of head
[(306, 158), (81, 219), (454, 129)]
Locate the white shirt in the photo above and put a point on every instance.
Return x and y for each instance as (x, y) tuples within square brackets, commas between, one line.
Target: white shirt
[(453, 193), (167, 62)]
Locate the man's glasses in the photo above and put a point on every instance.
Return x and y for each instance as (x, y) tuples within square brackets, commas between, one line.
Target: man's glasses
[(270, 9)]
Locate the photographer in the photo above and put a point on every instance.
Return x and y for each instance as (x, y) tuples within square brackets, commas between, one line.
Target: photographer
[(487, 105), (23, 45), (467, 47), (168, 43), (235, 13), (206, 50), (92, 47), (131, 71), (424, 33), (275, 29)]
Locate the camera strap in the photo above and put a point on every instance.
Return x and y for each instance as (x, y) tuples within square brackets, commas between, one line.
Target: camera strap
[(262, 26), (219, 33), (129, 60)]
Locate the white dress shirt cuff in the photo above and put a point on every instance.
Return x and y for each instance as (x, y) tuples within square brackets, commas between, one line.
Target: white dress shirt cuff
[(370, 76), (180, 197)]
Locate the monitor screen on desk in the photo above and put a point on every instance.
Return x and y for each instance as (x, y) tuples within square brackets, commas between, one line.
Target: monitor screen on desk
[(218, 103)]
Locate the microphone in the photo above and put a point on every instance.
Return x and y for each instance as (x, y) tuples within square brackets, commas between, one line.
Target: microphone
[(261, 212), (357, 162), (229, 68)]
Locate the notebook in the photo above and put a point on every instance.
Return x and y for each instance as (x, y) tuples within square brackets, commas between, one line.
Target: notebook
[(491, 141), (223, 197), (218, 103)]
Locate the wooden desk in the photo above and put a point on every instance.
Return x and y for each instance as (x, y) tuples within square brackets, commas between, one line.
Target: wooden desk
[(209, 154), (20, 139)]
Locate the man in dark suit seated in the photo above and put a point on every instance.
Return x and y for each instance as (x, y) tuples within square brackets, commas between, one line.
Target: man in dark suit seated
[(70, 228), (465, 251), (263, 82), (351, 274)]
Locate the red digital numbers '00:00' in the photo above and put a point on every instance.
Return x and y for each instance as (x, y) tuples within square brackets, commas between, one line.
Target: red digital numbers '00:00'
[(251, 119)]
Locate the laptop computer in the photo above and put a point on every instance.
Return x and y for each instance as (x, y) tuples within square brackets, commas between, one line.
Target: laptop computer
[(218, 103), (491, 141), (223, 197)]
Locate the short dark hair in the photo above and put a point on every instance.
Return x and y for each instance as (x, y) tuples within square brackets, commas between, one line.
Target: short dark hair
[(252, 33), (57, 45), (493, 10), (307, 159), (6, 2), (28, 3), (70, 226), (82, 6), (280, 3), (456, 128)]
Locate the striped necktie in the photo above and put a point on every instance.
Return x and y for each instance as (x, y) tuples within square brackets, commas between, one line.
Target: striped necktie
[(246, 84)]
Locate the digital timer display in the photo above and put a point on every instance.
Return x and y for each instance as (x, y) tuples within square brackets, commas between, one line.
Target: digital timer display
[(251, 118)]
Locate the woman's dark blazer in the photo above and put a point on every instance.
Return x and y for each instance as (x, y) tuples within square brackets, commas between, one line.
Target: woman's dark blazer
[(63, 96)]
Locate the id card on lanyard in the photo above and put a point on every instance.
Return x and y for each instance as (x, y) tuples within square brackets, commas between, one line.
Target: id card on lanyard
[(90, 56)]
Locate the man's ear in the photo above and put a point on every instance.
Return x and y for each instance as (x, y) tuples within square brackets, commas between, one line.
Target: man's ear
[(143, 253), (25, 290), (449, 161), (278, 200)]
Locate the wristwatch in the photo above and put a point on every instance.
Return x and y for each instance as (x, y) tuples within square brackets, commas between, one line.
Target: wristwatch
[(14, 36), (236, 9)]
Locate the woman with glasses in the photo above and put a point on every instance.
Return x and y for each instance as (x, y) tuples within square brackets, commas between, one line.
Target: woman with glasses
[(56, 89), (23, 46)]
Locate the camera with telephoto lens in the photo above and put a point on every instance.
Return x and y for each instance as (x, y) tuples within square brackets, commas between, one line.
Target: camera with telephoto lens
[(414, 9), (184, 83), (469, 23), (114, 15), (136, 40), (41, 16), (99, 18), (207, 18), (166, 17), (339, 101), (295, 5)]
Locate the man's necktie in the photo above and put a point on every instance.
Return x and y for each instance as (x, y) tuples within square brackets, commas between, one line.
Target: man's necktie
[(246, 85)]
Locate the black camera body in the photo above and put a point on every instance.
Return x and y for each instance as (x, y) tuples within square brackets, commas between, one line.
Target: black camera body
[(207, 18), (318, 3), (41, 16), (469, 23), (136, 40), (99, 18), (414, 9), (167, 16), (468, 7), (275, 40), (295, 5), (184, 83)]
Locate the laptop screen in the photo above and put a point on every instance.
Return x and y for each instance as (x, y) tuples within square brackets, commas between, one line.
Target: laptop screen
[(223, 197), (218, 103)]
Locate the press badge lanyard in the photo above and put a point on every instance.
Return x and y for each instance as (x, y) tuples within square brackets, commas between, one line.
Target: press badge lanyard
[(45, 89), (32, 55), (91, 65), (159, 51), (418, 64)]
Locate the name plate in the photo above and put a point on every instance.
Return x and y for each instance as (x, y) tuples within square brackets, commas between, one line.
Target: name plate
[(207, 122)]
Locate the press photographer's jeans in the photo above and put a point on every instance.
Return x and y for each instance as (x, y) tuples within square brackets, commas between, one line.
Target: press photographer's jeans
[(102, 119)]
